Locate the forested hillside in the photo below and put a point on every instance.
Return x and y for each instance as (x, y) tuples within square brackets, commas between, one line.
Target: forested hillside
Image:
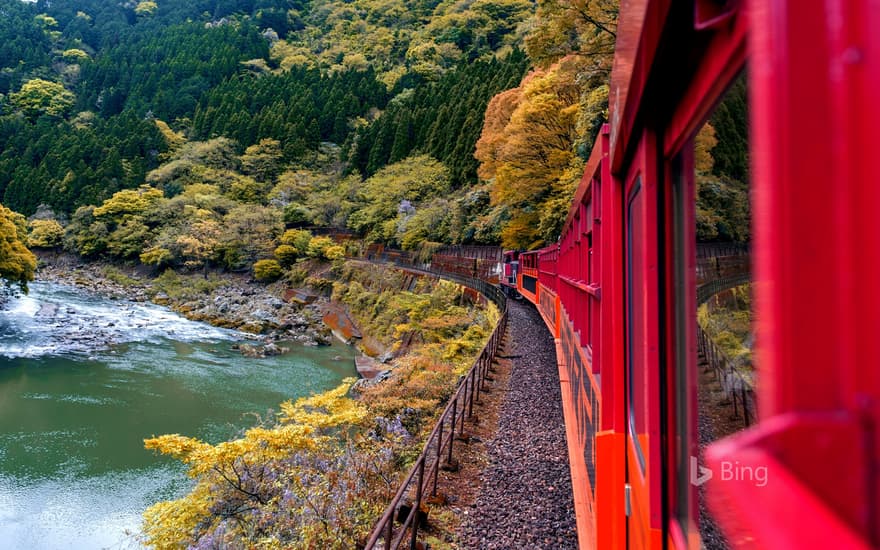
[(408, 121), (194, 135)]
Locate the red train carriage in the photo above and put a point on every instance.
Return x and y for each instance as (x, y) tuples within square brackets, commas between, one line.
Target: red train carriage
[(617, 291), (479, 262), (527, 280), (510, 271)]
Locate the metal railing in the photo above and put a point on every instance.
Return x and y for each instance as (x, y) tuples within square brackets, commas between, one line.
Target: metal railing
[(733, 383), (714, 250), (405, 514), (713, 287)]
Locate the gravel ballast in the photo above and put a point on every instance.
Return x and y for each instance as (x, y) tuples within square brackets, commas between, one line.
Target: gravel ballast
[(526, 496)]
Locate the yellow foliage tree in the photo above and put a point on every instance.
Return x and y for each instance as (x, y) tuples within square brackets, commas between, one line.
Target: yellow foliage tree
[(173, 139), (582, 27), (43, 97), (17, 264), (45, 234), (129, 201), (242, 471), (527, 152)]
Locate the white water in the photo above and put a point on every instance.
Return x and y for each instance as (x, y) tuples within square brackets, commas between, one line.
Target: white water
[(58, 320), (84, 379)]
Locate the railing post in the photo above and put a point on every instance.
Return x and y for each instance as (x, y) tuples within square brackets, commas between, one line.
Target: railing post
[(464, 399), (452, 431), (474, 386), (733, 394), (440, 451), (418, 506)]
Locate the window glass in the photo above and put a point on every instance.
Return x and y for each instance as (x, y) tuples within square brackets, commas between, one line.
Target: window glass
[(636, 333)]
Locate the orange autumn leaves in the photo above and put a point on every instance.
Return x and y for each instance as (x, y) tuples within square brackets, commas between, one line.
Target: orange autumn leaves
[(527, 153)]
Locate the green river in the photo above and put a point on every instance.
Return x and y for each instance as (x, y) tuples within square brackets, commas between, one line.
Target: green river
[(84, 379)]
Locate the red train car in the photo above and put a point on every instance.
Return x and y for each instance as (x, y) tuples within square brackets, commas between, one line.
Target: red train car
[(618, 290), (510, 271)]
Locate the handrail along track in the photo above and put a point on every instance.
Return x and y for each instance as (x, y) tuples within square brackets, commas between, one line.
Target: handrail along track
[(406, 506)]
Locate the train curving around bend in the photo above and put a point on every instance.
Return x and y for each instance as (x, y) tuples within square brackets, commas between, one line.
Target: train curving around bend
[(618, 289)]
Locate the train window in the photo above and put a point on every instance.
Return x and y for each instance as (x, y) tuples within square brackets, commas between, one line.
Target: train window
[(711, 332), (636, 333)]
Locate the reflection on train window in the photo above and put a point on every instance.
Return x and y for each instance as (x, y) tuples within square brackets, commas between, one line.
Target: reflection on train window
[(636, 335)]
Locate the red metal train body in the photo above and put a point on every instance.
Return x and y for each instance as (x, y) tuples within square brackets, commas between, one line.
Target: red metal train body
[(617, 290)]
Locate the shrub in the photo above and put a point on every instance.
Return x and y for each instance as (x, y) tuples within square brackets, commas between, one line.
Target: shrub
[(297, 238), (286, 254), (267, 270), (318, 245), (334, 252), (45, 234), (296, 214)]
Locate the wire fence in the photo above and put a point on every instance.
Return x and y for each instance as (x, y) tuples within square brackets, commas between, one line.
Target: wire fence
[(407, 512), (736, 386), (713, 287), (715, 250)]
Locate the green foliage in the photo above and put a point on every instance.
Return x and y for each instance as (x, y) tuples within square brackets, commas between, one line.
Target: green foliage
[(76, 163), (442, 118), (730, 120), (130, 201), (167, 71), (722, 209), (334, 252), (182, 287), (727, 320), (296, 214), (262, 161), (288, 113), (157, 256), (246, 189), (298, 239), (286, 255), (721, 157), (17, 264), (84, 234), (397, 36), (45, 234), (42, 97), (394, 193), (267, 270), (318, 246)]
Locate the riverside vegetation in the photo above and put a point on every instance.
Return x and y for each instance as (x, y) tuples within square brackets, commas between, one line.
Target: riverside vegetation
[(318, 474)]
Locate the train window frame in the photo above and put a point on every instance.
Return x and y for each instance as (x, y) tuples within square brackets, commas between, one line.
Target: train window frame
[(632, 425), (682, 174)]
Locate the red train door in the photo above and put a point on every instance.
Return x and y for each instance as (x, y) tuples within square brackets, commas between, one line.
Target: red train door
[(642, 365)]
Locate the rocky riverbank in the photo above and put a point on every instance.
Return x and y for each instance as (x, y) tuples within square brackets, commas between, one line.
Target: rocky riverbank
[(226, 300)]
